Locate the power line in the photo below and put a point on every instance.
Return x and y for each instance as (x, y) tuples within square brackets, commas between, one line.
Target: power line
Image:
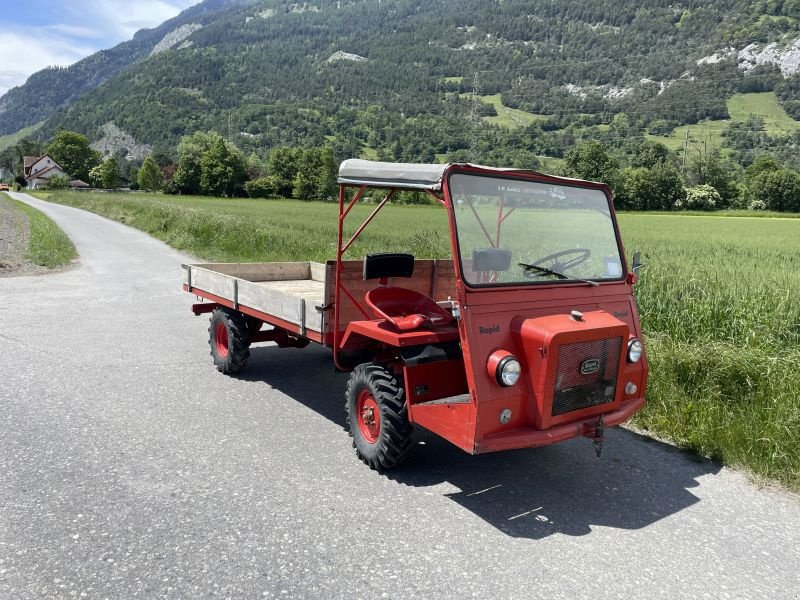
[(561, 64)]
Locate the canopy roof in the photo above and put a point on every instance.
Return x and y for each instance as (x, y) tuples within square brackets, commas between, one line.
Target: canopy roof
[(398, 175), (401, 175)]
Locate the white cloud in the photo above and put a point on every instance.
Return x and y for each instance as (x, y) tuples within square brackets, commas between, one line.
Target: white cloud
[(22, 54), (78, 30), (125, 17)]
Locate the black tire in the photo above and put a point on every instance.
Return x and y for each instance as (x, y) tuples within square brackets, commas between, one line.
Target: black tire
[(228, 337), (391, 443)]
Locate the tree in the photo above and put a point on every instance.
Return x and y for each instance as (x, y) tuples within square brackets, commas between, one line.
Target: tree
[(648, 154), (594, 162), (149, 176), (222, 170), (657, 188), (71, 150), (110, 173), (207, 164), (316, 174), (779, 190), (106, 175), (282, 168), (708, 168), (190, 151)]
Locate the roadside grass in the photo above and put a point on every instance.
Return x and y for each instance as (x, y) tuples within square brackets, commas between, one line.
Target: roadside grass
[(718, 302), (48, 245), (719, 306)]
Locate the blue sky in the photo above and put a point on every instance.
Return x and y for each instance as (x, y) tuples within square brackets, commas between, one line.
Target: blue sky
[(38, 33)]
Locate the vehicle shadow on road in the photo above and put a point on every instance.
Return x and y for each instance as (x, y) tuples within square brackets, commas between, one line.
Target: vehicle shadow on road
[(532, 493)]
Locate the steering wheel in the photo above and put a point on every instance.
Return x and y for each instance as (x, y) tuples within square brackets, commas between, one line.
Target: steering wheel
[(578, 256)]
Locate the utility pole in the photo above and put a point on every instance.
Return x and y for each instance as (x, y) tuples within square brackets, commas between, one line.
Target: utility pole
[(475, 120)]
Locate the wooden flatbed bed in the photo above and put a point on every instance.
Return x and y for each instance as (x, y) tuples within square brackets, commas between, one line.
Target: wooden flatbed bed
[(298, 296)]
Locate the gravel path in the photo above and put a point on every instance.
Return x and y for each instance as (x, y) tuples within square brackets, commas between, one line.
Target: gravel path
[(13, 238), (14, 235), (130, 468)]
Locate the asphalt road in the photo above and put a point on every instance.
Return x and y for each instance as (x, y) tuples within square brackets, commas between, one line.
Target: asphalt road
[(130, 468)]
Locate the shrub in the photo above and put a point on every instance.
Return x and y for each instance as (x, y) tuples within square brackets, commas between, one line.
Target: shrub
[(757, 205), (263, 187), (57, 182), (700, 197)]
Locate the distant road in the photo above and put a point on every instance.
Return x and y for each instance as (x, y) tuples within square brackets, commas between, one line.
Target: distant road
[(130, 468)]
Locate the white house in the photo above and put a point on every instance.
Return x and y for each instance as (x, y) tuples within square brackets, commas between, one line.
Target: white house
[(39, 170)]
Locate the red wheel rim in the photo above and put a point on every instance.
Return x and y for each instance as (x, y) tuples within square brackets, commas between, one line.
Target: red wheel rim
[(368, 415), (221, 339)]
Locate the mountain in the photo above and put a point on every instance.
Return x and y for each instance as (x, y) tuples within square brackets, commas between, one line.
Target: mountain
[(414, 80), (56, 87)]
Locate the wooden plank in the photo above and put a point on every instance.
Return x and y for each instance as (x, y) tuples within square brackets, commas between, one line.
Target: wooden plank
[(216, 283), (304, 288), (282, 305), (261, 271), (317, 271)]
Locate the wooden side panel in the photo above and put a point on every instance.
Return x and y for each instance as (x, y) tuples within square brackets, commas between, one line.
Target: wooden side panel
[(318, 271), (218, 284), (290, 300), (261, 271), (434, 278), (286, 305)]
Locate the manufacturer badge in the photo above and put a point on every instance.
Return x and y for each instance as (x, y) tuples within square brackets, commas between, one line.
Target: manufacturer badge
[(590, 366)]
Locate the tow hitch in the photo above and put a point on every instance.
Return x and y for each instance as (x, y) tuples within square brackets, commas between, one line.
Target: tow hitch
[(597, 433)]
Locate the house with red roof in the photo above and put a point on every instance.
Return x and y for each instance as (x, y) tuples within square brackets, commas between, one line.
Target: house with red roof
[(39, 169)]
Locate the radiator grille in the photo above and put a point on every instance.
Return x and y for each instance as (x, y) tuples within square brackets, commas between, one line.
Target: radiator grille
[(586, 375)]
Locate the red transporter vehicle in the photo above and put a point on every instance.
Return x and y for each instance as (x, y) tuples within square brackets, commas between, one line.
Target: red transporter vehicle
[(529, 335)]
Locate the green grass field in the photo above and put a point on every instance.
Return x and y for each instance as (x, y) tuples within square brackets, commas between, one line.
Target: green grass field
[(48, 246), (509, 117), (13, 138), (766, 105), (740, 107), (718, 300)]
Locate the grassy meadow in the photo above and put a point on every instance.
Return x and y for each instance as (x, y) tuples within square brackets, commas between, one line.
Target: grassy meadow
[(740, 108), (719, 301)]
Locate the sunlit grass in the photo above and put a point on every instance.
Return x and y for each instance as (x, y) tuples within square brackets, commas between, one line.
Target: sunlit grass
[(48, 246)]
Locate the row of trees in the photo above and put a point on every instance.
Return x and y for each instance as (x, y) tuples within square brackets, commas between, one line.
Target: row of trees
[(209, 165), (643, 175), (651, 178)]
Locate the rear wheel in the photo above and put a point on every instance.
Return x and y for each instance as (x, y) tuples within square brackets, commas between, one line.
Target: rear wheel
[(228, 337), (377, 417)]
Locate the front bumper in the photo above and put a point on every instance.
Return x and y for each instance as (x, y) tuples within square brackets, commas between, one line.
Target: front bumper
[(528, 437)]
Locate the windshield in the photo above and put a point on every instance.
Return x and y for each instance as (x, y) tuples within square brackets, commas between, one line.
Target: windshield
[(512, 231)]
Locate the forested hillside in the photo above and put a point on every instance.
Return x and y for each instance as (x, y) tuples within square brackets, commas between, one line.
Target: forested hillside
[(57, 87), (497, 81)]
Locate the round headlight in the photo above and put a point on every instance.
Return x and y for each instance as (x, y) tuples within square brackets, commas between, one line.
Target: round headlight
[(508, 371), (635, 350)]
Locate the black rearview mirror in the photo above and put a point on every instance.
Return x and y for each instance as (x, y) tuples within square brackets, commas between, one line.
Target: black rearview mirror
[(637, 261)]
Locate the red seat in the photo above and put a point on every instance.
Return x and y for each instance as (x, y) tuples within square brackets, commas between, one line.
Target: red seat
[(406, 309)]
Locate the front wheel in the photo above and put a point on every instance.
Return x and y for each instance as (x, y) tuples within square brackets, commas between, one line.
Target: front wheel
[(377, 417), (228, 336)]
